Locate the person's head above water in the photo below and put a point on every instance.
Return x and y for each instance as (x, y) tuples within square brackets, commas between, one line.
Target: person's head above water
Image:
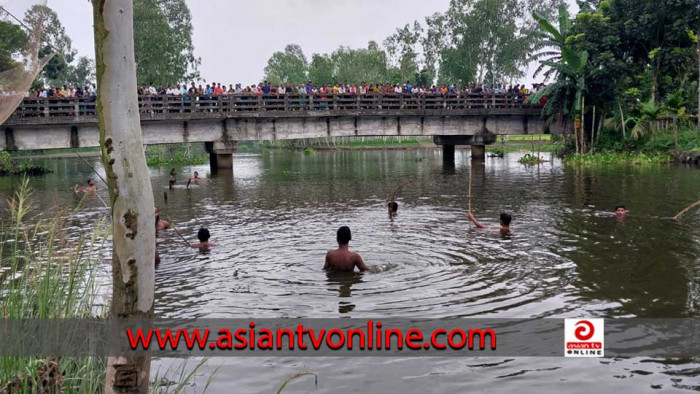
[(196, 174), (506, 218), (203, 235), (90, 182), (621, 210), (393, 206), (344, 237)]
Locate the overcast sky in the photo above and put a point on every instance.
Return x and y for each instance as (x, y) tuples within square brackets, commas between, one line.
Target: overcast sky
[(235, 38)]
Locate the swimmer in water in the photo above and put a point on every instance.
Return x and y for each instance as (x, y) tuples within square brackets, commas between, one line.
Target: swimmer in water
[(342, 259), (160, 224), (204, 244), (621, 211), (506, 218), (195, 179), (392, 205), (89, 189)]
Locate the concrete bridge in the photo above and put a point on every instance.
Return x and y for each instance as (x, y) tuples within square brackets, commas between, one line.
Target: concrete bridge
[(221, 121)]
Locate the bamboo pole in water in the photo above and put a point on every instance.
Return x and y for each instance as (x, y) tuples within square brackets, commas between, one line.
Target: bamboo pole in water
[(469, 198), (683, 212)]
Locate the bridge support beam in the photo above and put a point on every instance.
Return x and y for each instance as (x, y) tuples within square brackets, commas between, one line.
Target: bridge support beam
[(448, 154), (221, 155), (478, 152)]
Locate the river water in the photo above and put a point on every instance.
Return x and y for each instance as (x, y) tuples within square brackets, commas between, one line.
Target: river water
[(275, 218)]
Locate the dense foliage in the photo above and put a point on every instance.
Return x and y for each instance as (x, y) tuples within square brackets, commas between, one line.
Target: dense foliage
[(11, 45), (163, 42), (474, 41), (640, 73)]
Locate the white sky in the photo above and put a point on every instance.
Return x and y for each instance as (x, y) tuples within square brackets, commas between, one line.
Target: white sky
[(235, 38)]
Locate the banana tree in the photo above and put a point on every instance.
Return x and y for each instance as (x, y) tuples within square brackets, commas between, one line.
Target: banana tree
[(565, 98)]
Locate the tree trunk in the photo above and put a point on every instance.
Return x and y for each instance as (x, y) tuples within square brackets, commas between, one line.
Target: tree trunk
[(593, 129), (129, 184), (675, 130), (622, 117), (583, 124)]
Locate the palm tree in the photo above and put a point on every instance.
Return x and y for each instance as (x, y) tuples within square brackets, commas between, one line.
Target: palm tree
[(675, 107), (645, 119)]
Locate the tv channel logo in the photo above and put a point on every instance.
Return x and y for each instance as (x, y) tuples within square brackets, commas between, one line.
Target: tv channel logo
[(584, 338)]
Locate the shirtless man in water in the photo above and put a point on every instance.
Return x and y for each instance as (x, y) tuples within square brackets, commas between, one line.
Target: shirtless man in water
[(504, 227), (204, 245), (90, 189), (161, 224), (342, 259)]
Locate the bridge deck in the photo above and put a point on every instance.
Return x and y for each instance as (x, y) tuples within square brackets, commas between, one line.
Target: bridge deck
[(54, 111)]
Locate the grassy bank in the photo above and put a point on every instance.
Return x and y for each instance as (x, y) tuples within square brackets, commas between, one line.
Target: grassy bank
[(45, 275), (180, 154), (8, 166)]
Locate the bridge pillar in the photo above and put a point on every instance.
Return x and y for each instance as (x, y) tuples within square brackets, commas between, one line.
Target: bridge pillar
[(478, 152), (448, 154), (221, 155)]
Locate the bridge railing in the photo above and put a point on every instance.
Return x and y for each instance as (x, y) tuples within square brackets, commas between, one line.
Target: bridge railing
[(224, 105)]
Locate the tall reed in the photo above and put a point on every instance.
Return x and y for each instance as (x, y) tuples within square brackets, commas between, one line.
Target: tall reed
[(45, 275)]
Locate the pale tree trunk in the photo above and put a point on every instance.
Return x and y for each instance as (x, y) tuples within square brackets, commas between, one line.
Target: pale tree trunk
[(583, 124), (131, 196), (622, 119), (593, 129)]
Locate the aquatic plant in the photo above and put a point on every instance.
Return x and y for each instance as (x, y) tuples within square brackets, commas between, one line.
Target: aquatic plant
[(295, 377), (529, 160), (605, 158)]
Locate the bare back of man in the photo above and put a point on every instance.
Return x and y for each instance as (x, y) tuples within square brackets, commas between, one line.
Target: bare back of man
[(344, 260)]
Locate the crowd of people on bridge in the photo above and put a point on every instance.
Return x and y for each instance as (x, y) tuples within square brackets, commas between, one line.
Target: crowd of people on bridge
[(64, 92), (266, 88)]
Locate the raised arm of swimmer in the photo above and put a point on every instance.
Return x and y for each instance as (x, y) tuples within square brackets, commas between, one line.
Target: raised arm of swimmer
[(505, 219), (476, 223)]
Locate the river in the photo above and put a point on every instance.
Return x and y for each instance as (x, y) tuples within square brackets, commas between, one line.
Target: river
[(275, 218)]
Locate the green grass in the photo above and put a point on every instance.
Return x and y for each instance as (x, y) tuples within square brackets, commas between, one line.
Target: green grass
[(380, 142), (530, 138), (182, 154), (607, 158)]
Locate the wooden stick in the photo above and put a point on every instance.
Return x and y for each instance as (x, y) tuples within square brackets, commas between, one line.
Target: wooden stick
[(91, 167), (178, 231), (683, 212), (469, 200), (393, 196)]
